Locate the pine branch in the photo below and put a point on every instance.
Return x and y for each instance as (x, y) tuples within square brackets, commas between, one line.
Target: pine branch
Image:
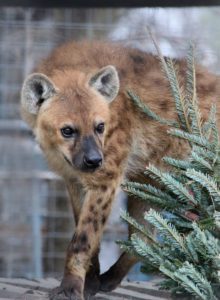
[(194, 282), (191, 96), (139, 228), (128, 247), (177, 163), (206, 181), (172, 184), (205, 243), (177, 92), (146, 251), (209, 125), (190, 75), (150, 193), (204, 164), (217, 219), (206, 154), (192, 138), (167, 230), (147, 111)]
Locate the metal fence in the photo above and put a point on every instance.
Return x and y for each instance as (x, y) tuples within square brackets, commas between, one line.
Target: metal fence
[(35, 218)]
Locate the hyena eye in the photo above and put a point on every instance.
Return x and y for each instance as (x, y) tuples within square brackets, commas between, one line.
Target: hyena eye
[(100, 128), (68, 132)]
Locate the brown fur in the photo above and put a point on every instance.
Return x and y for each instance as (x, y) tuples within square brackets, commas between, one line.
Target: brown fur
[(130, 141)]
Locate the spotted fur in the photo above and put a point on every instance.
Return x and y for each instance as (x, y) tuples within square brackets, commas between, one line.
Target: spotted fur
[(81, 91)]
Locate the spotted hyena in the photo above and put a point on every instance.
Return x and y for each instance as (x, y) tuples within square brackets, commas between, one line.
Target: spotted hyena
[(93, 136)]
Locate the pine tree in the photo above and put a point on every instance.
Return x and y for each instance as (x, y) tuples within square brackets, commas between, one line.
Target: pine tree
[(187, 247)]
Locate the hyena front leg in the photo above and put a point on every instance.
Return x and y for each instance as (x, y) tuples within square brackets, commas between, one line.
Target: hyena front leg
[(86, 240), (77, 195), (112, 277)]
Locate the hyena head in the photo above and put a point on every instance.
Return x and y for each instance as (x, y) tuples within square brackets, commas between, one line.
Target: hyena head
[(69, 113)]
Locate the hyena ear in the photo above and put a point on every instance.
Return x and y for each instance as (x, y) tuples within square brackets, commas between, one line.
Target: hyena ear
[(106, 82), (36, 89)]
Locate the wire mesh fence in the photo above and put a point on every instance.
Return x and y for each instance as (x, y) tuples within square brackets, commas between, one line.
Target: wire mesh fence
[(35, 216)]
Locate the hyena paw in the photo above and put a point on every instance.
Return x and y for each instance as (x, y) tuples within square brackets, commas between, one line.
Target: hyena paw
[(108, 283), (71, 288), (92, 285)]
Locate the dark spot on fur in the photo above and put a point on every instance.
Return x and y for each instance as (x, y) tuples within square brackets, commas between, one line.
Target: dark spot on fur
[(111, 149), (120, 141), (110, 132), (164, 105), (81, 243), (136, 70), (85, 248), (113, 193), (95, 225), (153, 154), (92, 208), (103, 220), (137, 59), (87, 220), (110, 174), (105, 206), (103, 188), (117, 160), (74, 238), (158, 81), (75, 249), (138, 63), (83, 238), (207, 88), (99, 200), (182, 72)]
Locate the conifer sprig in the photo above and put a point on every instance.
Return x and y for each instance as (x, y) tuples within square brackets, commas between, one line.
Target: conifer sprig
[(187, 250), (147, 111)]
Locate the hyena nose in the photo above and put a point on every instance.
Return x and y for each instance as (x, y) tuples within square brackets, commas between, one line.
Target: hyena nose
[(93, 161)]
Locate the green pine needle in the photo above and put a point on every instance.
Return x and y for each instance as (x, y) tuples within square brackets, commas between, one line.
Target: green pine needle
[(167, 230), (146, 110), (172, 184), (192, 138), (206, 181), (140, 228), (194, 282)]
